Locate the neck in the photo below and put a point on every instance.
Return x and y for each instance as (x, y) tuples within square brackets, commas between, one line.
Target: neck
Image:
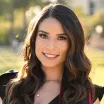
[(53, 74)]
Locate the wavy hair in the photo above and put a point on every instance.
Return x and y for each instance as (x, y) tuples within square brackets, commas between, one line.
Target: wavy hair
[(77, 66)]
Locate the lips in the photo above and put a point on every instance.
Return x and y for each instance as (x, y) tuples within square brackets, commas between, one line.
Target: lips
[(50, 56)]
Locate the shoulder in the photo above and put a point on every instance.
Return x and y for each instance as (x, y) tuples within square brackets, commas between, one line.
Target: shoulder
[(99, 92), (97, 101), (4, 80)]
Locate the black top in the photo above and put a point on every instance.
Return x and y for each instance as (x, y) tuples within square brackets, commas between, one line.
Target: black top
[(56, 101), (6, 77)]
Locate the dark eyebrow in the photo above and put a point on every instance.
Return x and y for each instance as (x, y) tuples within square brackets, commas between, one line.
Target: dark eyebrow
[(63, 34), (48, 33), (43, 31)]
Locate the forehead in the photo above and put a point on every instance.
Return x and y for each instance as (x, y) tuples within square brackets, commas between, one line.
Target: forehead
[(51, 25)]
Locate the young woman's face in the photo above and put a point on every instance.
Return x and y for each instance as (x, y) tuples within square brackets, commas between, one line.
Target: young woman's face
[(51, 43)]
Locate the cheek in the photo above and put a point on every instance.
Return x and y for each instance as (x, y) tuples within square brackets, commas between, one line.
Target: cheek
[(39, 45), (64, 47), (40, 42)]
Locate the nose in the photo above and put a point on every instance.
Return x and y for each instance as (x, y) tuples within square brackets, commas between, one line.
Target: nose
[(51, 45)]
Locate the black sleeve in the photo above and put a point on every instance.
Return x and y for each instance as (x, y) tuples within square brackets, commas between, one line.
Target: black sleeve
[(99, 91), (4, 79)]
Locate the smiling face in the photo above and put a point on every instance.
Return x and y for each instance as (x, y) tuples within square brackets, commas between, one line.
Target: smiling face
[(51, 43)]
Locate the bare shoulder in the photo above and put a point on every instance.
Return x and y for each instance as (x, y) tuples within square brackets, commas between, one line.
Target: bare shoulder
[(97, 101), (0, 100)]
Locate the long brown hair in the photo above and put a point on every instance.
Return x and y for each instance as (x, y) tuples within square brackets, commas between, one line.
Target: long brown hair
[(77, 65)]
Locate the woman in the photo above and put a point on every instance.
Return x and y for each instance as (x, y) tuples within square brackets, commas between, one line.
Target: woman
[(55, 69)]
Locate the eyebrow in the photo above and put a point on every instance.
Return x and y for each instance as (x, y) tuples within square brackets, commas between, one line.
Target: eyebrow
[(48, 33)]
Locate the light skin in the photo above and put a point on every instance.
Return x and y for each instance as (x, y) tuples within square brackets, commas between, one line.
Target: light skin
[(97, 101), (0, 100), (51, 39)]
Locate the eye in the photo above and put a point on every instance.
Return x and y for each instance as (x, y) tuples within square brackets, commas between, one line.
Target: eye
[(44, 36), (62, 38)]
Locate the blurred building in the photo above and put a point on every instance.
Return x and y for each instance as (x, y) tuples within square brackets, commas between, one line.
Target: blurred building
[(89, 6)]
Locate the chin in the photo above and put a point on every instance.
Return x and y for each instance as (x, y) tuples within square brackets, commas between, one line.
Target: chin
[(51, 65)]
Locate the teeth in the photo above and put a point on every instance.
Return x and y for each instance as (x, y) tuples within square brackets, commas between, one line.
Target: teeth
[(50, 55)]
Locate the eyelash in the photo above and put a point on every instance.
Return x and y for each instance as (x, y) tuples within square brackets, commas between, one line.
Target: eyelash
[(44, 36)]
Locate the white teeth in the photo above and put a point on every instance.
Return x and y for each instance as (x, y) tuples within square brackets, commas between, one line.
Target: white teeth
[(50, 55)]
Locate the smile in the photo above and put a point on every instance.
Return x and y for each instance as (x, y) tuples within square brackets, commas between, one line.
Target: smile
[(50, 56)]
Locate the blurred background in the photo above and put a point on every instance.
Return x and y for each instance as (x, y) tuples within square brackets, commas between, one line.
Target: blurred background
[(15, 16)]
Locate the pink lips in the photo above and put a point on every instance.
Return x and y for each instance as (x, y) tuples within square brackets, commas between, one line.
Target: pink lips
[(49, 56)]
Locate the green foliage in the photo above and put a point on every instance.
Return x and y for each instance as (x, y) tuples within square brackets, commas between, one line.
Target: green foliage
[(7, 59), (96, 57), (98, 18), (79, 11), (3, 7), (3, 33), (2, 37), (89, 22)]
